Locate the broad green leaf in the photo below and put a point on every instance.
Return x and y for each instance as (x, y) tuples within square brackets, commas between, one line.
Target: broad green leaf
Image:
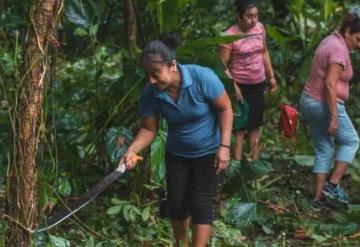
[(114, 209), (136, 210), (267, 229), (45, 197), (304, 160), (318, 238), (146, 214), (327, 9), (117, 201), (126, 212), (59, 241), (157, 157), (63, 186), (93, 29), (77, 13), (79, 31), (100, 244), (117, 141), (132, 215), (193, 46), (255, 169), (132, 212), (90, 242)]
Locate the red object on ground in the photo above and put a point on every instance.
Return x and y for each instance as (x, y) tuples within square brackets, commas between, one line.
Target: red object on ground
[(288, 120)]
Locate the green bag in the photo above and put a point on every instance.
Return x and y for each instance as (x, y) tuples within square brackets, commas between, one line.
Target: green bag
[(241, 118)]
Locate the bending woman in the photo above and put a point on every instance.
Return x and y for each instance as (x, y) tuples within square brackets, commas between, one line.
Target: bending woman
[(198, 112), (322, 105), (247, 63)]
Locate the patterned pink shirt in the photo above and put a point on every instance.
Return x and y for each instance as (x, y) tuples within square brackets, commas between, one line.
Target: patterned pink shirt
[(246, 60), (332, 50)]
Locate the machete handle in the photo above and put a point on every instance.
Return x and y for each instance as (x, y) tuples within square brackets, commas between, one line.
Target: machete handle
[(134, 158)]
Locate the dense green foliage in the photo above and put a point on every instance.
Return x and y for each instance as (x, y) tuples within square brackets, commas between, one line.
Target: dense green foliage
[(90, 116)]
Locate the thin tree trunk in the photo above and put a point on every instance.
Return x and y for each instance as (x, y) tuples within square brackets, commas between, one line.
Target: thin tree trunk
[(130, 25), (130, 21), (22, 178)]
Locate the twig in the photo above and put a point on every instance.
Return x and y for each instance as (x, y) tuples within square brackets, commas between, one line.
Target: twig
[(277, 209), (355, 235), (296, 209), (269, 183)]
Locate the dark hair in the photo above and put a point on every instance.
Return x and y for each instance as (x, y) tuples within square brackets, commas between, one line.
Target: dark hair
[(164, 46), (243, 5), (352, 22)]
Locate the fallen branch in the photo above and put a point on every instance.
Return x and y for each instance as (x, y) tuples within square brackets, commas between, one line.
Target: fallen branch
[(275, 208)]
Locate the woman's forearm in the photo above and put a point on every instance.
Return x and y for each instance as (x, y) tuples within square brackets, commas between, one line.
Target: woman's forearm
[(226, 122), (267, 64), (225, 55), (225, 113), (330, 92), (332, 76), (142, 140)]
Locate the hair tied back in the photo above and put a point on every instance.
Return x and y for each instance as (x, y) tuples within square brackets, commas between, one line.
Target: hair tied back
[(170, 39)]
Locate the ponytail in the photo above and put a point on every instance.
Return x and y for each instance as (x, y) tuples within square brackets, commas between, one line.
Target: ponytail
[(163, 47)]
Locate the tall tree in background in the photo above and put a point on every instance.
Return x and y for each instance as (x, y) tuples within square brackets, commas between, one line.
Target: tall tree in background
[(22, 177), (130, 25)]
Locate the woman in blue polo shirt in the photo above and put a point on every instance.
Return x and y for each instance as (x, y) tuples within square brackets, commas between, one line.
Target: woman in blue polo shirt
[(192, 100)]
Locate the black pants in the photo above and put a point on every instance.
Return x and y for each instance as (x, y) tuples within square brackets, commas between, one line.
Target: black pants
[(191, 186), (254, 97)]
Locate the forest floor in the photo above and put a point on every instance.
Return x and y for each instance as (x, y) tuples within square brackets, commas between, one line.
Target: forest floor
[(285, 216)]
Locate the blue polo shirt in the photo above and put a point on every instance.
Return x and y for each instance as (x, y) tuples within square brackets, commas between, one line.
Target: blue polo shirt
[(193, 125)]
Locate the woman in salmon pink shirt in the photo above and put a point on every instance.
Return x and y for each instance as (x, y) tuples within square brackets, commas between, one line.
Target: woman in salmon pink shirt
[(247, 63), (322, 106)]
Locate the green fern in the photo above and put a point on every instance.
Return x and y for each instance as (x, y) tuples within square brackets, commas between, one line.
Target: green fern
[(239, 213)]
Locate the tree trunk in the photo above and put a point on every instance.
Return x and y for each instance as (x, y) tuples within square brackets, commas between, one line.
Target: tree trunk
[(130, 25), (22, 178)]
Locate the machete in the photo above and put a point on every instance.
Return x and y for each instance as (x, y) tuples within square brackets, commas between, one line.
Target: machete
[(84, 200)]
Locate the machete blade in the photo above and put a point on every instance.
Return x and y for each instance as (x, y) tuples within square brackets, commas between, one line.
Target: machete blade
[(85, 199)]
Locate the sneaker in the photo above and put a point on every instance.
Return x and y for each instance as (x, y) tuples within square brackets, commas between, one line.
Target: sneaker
[(336, 194)]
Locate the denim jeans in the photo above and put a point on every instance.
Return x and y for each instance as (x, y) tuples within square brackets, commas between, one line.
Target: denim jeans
[(316, 115)]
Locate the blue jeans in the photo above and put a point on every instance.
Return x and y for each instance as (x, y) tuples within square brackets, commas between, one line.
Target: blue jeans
[(316, 115)]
